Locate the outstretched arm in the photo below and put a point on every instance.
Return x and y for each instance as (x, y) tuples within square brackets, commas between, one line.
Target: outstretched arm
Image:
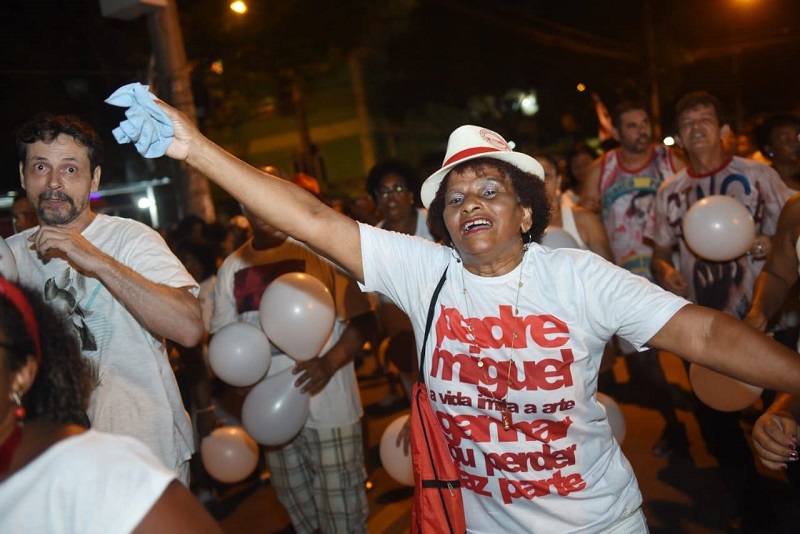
[(281, 204), (720, 342), (780, 271)]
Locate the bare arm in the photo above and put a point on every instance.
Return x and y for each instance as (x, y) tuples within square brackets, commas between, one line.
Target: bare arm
[(166, 311), (589, 192), (177, 511), (665, 272), (283, 205), (720, 342), (780, 271), (593, 232)]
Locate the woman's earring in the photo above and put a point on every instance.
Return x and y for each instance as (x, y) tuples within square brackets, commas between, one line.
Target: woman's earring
[(526, 243), (454, 252), (19, 409)]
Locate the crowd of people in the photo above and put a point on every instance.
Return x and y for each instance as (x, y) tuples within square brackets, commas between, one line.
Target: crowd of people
[(105, 335)]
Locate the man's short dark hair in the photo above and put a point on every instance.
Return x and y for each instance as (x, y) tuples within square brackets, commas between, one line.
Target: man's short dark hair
[(694, 99), (623, 107), (46, 127)]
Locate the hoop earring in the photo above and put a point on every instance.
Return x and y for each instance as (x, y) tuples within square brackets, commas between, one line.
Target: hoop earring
[(19, 409)]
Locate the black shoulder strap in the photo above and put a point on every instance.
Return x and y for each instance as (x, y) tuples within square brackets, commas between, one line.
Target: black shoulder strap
[(428, 324)]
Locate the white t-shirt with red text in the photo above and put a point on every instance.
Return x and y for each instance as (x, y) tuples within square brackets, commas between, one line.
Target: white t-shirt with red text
[(558, 469)]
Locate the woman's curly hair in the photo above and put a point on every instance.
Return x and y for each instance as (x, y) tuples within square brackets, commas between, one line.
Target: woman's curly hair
[(60, 392), (528, 187)]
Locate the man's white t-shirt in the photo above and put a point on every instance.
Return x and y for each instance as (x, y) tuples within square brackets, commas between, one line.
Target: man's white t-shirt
[(241, 281), (725, 286), (135, 393), (558, 469), (89, 483)]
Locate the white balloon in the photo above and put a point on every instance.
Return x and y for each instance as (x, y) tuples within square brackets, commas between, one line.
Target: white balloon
[(275, 410), (239, 354), (396, 462), (616, 419), (8, 265), (555, 237), (229, 454), (721, 392), (719, 228), (297, 314)]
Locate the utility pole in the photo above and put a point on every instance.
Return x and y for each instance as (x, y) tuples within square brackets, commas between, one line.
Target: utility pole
[(174, 86), (652, 69), (354, 61), (174, 83), (309, 160)]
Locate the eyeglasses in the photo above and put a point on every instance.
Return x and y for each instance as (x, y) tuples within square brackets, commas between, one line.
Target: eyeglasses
[(385, 191)]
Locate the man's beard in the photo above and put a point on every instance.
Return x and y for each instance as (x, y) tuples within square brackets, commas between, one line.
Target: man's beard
[(55, 217), (641, 144)]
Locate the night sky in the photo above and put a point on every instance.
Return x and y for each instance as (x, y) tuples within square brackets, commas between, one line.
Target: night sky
[(62, 56)]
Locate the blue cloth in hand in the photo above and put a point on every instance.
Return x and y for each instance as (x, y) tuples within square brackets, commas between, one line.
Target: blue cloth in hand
[(147, 126)]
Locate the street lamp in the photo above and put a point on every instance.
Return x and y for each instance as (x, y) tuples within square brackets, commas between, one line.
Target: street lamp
[(238, 7)]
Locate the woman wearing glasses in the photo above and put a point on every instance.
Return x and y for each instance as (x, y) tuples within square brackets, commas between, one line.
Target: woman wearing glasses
[(394, 184)]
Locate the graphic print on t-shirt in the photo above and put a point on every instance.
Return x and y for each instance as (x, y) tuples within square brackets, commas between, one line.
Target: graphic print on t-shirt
[(249, 283), (627, 220), (471, 369), (725, 286), (66, 295)]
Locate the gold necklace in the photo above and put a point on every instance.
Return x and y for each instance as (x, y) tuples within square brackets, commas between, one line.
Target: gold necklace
[(505, 413)]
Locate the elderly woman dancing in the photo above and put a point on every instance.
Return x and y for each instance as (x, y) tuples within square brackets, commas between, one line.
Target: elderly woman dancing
[(518, 331)]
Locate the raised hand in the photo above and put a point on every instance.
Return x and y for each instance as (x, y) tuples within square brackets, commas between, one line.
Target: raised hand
[(68, 244), (185, 132)]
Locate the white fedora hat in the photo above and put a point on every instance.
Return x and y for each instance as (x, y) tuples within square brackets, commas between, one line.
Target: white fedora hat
[(469, 142)]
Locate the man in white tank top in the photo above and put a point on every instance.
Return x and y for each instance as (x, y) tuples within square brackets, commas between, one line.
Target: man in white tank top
[(622, 186)]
